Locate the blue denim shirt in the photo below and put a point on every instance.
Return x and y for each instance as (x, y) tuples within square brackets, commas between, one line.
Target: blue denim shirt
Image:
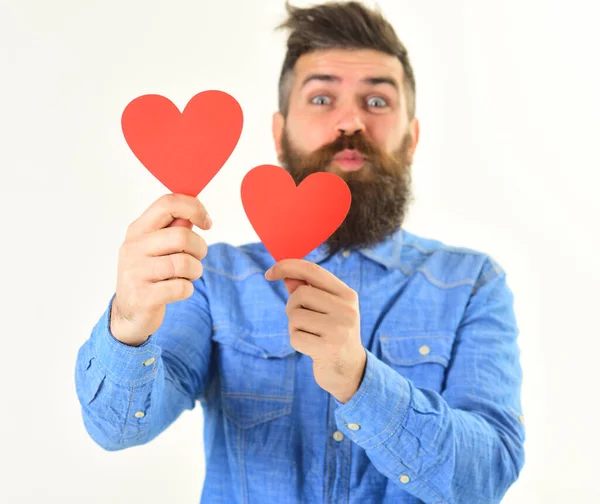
[(437, 417)]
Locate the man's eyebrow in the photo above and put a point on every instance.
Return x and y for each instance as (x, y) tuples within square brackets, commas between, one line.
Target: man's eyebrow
[(320, 77), (372, 81)]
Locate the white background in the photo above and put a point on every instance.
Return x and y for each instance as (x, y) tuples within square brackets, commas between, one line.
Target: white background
[(507, 163)]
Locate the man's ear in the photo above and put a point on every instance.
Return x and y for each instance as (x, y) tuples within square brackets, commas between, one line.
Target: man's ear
[(277, 130)]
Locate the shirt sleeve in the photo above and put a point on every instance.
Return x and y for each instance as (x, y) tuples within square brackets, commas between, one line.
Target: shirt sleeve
[(129, 395), (465, 444)]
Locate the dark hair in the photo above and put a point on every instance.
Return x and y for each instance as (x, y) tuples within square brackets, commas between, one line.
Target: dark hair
[(340, 25)]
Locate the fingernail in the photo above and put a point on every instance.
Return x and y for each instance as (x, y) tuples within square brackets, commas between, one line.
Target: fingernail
[(208, 221), (267, 273)]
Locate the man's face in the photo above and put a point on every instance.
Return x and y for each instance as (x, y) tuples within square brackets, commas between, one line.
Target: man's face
[(347, 115)]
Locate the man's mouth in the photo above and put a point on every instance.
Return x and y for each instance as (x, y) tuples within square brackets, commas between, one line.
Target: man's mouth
[(349, 160)]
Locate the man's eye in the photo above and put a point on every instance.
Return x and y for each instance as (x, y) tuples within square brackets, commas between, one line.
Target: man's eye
[(320, 100), (377, 102)]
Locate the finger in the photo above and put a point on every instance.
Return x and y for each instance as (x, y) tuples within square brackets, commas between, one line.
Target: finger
[(309, 321), (310, 298), (305, 343), (313, 274), (165, 210), (172, 266), (291, 284), (169, 291), (181, 222), (173, 240)]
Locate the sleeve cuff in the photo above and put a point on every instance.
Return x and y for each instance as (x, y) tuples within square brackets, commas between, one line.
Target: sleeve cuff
[(378, 408), (130, 366)]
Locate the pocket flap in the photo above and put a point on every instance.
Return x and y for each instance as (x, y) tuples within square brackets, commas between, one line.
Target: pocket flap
[(91, 382), (267, 345), (413, 349)]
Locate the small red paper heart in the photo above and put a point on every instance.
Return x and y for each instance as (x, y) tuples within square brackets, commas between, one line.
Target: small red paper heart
[(183, 150), (291, 220)]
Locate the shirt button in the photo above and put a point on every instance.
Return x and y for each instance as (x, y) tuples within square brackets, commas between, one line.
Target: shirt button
[(353, 426), (404, 479), (521, 420), (149, 361), (139, 414), (424, 350), (346, 253), (338, 436)]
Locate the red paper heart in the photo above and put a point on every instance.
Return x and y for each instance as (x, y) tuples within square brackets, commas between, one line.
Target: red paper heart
[(291, 220), (183, 150)]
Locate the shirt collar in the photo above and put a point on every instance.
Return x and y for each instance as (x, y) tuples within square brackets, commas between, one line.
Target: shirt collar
[(386, 252)]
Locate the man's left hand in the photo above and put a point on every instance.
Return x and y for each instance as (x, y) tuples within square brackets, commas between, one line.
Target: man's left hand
[(324, 323)]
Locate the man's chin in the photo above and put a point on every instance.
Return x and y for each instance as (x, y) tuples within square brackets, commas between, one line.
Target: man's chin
[(363, 174)]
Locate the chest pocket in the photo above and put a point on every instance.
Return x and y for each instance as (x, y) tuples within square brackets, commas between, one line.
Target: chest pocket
[(421, 357), (256, 372)]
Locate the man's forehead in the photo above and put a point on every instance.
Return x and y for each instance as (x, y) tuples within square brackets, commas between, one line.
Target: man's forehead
[(348, 64)]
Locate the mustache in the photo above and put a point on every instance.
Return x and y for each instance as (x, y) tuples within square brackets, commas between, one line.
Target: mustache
[(357, 141), (324, 155), (381, 163)]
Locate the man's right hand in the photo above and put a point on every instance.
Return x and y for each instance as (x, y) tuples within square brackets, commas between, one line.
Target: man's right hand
[(158, 260)]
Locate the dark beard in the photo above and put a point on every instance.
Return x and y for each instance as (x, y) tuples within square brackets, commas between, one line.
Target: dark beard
[(381, 189)]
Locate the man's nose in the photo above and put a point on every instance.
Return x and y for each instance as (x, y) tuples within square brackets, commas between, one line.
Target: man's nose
[(350, 123)]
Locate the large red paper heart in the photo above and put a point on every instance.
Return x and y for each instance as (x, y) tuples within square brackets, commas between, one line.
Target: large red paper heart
[(183, 150), (291, 220)]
